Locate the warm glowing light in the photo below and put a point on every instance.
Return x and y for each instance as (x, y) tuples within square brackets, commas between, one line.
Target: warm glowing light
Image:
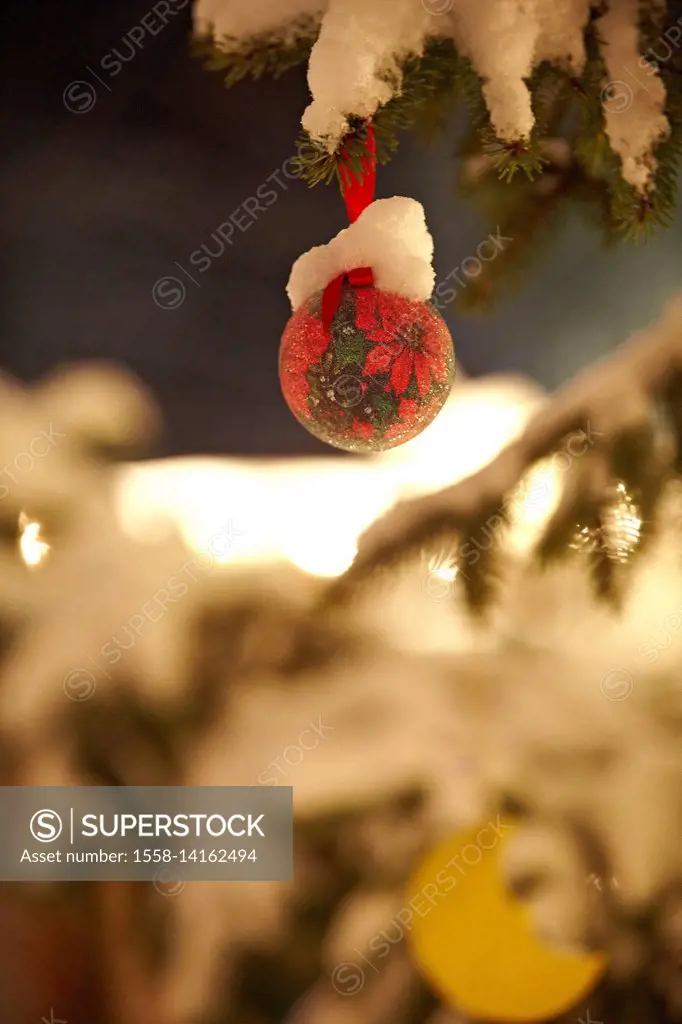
[(623, 525), (311, 512), (33, 549), (442, 568)]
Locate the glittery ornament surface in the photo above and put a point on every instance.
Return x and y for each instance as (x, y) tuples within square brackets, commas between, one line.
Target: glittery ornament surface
[(377, 379)]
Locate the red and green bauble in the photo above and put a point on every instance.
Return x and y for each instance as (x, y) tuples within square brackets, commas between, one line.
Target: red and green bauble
[(376, 378)]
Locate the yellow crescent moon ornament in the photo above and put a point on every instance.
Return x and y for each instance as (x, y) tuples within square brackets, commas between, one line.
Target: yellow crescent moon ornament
[(474, 942)]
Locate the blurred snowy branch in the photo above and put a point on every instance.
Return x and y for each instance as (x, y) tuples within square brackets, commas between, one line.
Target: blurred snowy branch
[(135, 660)]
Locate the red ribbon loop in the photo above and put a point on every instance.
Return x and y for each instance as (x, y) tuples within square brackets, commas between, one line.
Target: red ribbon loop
[(358, 193)]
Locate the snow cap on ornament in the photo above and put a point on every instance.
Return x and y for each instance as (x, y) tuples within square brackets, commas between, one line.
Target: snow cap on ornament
[(366, 362), (390, 236)]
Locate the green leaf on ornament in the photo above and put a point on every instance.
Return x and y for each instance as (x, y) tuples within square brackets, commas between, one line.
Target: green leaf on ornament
[(384, 412), (327, 360), (351, 353), (314, 383), (412, 391)]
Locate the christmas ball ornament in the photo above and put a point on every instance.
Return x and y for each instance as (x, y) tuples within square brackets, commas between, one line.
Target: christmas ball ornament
[(375, 376), (474, 942)]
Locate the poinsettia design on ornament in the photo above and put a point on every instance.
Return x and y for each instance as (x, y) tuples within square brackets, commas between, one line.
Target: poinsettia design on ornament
[(407, 339), (406, 412), (372, 378), (407, 407), (362, 428)]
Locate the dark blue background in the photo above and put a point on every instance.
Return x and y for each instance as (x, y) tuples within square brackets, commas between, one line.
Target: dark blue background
[(100, 205)]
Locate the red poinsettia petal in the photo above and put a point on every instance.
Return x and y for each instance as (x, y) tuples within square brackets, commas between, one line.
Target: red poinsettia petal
[(402, 321), (380, 334), (428, 340), (395, 305), (386, 310), (366, 309), (407, 408), (433, 340), (422, 372), (401, 371), (379, 358), (361, 428)]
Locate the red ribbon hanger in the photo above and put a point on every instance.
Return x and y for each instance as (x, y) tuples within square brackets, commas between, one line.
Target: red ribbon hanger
[(358, 193)]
